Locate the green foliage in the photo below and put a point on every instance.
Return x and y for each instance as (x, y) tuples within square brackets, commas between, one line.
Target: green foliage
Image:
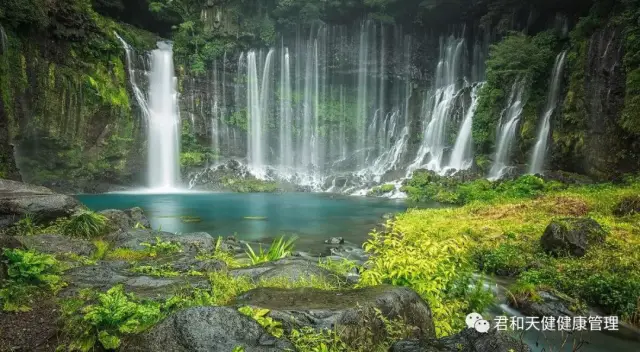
[(160, 247), (273, 327), (507, 259), (193, 159), (381, 190), (28, 272), (102, 247), (516, 57), (280, 248), (426, 186), (87, 224), (26, 226), (630, 119), (340, 267), (434, 265), (165, 270), (219, 253), (308, 339), (113, 315)]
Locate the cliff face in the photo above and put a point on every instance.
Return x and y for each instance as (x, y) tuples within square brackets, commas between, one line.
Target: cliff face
[(67, 106)]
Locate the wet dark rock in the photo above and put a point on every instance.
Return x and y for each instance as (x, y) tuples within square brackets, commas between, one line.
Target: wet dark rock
[(468, 340), (334, 240), (207, 329), (546, 304), (132, 239), (18, 200), (571, 236), (104, 275), (627, 206), (352, 310), (126, 219), (185, 262), (57, 244)]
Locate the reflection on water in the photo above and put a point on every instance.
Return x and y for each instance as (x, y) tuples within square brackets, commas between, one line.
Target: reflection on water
[(257, 216)]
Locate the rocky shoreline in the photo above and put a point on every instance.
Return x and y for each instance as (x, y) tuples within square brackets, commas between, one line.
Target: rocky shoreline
[(355, 312)]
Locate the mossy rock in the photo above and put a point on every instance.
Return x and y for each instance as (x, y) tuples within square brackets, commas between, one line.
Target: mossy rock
[(354, 311), (627, 206), (571, 236)]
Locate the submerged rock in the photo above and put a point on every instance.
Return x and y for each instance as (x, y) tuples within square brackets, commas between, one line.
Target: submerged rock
[(468, 340), (351, 310), (18, 200), (571, 236), (334, 240), (207, 329)]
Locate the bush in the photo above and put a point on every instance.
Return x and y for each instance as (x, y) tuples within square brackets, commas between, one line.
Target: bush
[(86, 224), (280, 248), (507, 259)]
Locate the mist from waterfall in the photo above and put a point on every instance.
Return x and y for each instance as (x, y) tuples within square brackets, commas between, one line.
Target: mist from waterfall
[(540, 148), (508, 128)]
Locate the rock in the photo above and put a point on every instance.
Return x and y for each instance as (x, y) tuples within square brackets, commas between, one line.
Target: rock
[(290, 269), (57, 244), (627, 206), (335, 240), (546, 304), (18, 199), (132, 239), (104, 275), (7, 242), (468, 340), (351, 310), (185, 262), (126, 219), (206, 329), (571, 236)]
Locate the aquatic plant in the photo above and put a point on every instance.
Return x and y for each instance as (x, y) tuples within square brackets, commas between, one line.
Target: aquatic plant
[(280, 248)]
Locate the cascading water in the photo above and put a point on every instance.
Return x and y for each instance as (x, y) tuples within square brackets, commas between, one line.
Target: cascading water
[(164, 121), (508, 128), (439, 107), (540, 149), (462, 155), (161, 114)]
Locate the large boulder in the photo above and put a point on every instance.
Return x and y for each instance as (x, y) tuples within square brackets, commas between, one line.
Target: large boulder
[(571, 236), (207, 329), (468, 340), (545, 304), (353, 311), (126, 219), (18, 200), (57, 244)]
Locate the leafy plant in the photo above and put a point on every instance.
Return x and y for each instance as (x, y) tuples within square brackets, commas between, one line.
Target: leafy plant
[(28, 271), (280, 248), (86, 224), (26, 226), (161, 247), (273, 327), (114, 314), (219, 253)]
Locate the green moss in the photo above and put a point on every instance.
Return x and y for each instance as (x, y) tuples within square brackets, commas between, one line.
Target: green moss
[(381, 190)]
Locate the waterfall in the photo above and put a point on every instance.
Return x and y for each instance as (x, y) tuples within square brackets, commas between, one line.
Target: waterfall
[(4, 40), (439, 106), (258, 111), (161, 114), (163, 134), (286, 143), (508, 129), (462, 155), (540, 148)]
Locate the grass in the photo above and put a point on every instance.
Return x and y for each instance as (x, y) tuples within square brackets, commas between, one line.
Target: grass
[(87, 224), (501, 234), (280, 248)]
